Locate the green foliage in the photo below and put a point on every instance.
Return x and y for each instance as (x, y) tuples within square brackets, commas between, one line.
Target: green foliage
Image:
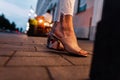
[(5, 24)]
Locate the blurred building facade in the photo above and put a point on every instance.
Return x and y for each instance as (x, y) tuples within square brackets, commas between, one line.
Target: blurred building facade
[(87, 15)]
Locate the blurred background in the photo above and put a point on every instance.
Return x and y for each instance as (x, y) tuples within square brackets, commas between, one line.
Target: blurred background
[(32, 17), (16, 12)]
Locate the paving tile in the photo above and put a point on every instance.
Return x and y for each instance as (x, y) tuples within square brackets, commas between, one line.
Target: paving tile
[(23, 73), (28, 43), (3, 60), (16, 47), (79, 60), (10, 43), (13, 40), (40, 40), (35, 54), (6, 53), (41, 47), (70, 72), (51, 51), (37, 61)]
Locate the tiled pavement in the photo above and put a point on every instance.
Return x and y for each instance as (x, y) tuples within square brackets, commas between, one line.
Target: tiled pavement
[(27, 58)]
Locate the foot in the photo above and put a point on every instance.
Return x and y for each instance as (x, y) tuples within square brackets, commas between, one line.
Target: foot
[(72, 47)]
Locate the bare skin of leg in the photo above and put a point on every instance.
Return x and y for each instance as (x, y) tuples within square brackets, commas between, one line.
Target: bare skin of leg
[(65, 33)]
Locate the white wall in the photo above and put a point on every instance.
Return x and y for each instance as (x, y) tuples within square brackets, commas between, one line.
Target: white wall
[(82, 20), (97, 13)]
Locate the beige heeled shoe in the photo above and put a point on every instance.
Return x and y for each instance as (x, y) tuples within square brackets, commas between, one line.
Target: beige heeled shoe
[(73, 50), (53, 43)]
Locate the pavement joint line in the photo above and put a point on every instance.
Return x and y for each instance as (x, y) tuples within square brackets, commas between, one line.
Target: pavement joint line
[(1, 67), (9, 58), (5, 55), (67, 60), (36, 56), (21, 43), (16, 43), (49, 73), (8, 66), (33, 41), (35, 48), (44, 65)]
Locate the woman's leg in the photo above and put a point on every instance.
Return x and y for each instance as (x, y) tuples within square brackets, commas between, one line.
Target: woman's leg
[(64, 31)]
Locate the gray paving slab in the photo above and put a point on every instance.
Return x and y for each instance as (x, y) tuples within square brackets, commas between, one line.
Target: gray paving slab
[(38, 61), (39, 48), (15, 39), (3, 60), (16, 47), (40, 40), (28, 43), (6, 53), (41, 53), (10, 43), (23, 73), (70, 73), (79, 60)]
